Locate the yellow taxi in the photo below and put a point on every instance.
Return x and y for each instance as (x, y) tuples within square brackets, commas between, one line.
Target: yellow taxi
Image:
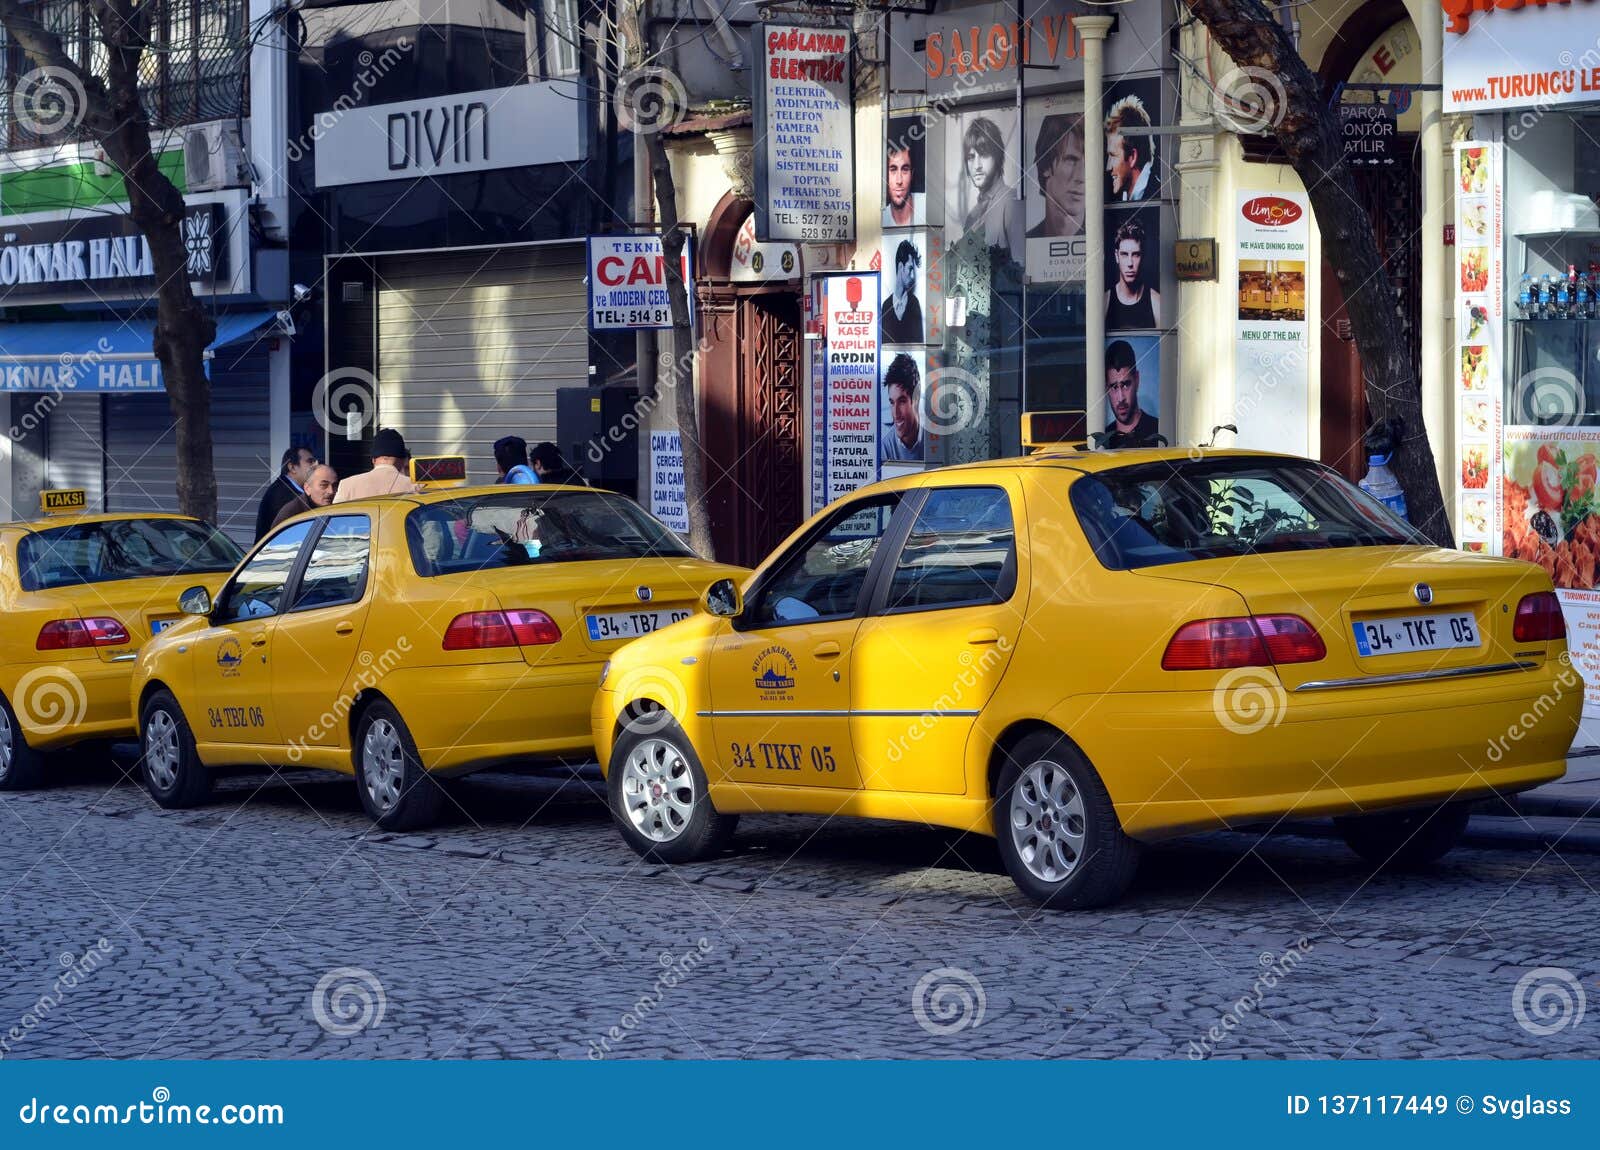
[(1079, 652), (80, 593), (409, 638)]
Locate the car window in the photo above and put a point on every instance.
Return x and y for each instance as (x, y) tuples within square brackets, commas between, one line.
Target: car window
[(122, 549), (336, 573), (961, 552), (257, 590), (824, 578)]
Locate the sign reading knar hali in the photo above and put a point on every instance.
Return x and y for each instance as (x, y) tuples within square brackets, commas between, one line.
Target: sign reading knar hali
[(805, 167), (100, 253)]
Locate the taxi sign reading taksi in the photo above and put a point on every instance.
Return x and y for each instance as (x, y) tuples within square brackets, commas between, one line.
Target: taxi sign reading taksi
[(63, 499)]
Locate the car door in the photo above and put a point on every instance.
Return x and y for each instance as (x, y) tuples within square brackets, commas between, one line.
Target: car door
[(233, 657), (318, 636), (944, 620), (780, 676)]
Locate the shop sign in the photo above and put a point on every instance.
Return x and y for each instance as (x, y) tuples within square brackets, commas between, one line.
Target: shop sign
[(1196, 259), (1480, 312), (1368, 131), (756, 262), (668, 502), (519, 126), (805, 133), (849, 404), (1511, 54), (1271, 337), (628, 283), (101, 255)]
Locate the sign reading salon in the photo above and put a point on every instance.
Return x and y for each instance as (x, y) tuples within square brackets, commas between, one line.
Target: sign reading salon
[(513, 127)]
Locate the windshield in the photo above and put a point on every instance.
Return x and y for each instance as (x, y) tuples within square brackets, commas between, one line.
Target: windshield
[(533, 527), (122, 549), (1171, 512)]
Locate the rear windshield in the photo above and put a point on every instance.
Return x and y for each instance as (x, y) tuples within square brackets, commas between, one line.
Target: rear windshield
[(122, 549), (1156, 513), (525, 527)]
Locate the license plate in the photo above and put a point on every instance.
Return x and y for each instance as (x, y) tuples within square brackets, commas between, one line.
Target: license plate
[(1439, 632), (631, 624), (159, 625)]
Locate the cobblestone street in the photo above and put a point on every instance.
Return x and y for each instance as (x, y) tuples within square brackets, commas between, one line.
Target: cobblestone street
[(525, 928)]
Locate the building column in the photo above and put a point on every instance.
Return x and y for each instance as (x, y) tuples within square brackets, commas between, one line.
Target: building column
[(1437, 296), (1093, 30)]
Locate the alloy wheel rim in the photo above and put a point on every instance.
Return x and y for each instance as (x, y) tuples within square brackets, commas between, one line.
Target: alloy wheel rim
[(7, 750), (1049, 826), (382, 764), (161, 749), (658, 790)]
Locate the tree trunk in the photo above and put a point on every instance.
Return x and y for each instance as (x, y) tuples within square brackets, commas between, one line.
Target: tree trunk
[(1309, 134), (682, 378)]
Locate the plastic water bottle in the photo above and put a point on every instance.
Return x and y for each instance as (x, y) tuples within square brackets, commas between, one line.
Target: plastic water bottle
[(1525, 306), (1381, 484)]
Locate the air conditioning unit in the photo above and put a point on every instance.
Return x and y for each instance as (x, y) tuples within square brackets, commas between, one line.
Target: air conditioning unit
[(214, 157)]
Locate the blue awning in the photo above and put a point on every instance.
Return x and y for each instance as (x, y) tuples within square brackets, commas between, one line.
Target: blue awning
[(101, 355)]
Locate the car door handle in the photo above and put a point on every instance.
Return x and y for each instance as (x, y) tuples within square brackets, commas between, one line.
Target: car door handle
[(983, 635), (345, 628), (259, 639), (825, 650)]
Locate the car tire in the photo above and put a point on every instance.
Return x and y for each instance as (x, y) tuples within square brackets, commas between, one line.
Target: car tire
[(659, 796), (1058, 832), (395, 789), (21, 767), (1402, 840), (168, 762)]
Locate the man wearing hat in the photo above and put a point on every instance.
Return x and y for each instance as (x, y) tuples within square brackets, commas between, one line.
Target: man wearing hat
[(388, 474)]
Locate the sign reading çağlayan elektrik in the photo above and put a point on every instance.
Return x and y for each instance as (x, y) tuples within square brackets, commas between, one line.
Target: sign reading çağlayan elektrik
[(805, 136), (628, 283)]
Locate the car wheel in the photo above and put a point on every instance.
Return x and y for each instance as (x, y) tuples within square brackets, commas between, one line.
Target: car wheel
[(172, 770), (660, 799), (1057, 830), (1404, 839), (20, 765), (395, 789)]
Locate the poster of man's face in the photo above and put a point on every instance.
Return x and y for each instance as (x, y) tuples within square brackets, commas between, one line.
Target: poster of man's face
[(1133, 391), (902, 319), (905, 172), (983, 172), (1133, 269), (1054, 176), (900, 439), (1132, 159)]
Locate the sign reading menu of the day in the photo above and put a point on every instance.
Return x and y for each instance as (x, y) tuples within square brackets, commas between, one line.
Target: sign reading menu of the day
[(805, 167)]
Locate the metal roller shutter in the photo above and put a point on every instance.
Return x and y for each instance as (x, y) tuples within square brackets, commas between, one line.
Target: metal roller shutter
[(141, 444), (473, 345), (73, 457)]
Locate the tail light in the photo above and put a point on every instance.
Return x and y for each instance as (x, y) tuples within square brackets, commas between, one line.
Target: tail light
[(476, 630), (1539, 619), (1243, 641), (64, 634)]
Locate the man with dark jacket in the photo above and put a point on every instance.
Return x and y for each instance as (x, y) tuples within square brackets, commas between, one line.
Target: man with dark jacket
[(290, 484), (319, 491)]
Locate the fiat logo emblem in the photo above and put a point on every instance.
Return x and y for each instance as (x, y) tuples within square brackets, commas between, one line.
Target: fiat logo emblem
[(644, 594), (1424, 593)]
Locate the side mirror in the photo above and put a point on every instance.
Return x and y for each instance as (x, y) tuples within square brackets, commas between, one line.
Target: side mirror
[(195, 601), (724, 599)]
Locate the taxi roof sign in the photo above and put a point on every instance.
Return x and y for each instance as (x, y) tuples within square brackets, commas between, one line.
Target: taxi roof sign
[(62, 500), (436, 471), (1041, 429)]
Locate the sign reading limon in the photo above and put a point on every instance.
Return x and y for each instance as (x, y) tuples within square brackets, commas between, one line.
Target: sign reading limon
[(62, 500), (435, 471)]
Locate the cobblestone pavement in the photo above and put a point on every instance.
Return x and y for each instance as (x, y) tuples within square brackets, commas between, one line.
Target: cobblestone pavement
[(526, 928)]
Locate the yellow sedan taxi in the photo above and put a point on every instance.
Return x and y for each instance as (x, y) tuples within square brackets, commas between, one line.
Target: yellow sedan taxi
[(410, 638), (1079, 652), (80, 593)]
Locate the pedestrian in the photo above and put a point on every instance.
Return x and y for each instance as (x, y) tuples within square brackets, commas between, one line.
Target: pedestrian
[(287, 485), (511, 460), (388, 474), (552, 468), (318, 493)]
